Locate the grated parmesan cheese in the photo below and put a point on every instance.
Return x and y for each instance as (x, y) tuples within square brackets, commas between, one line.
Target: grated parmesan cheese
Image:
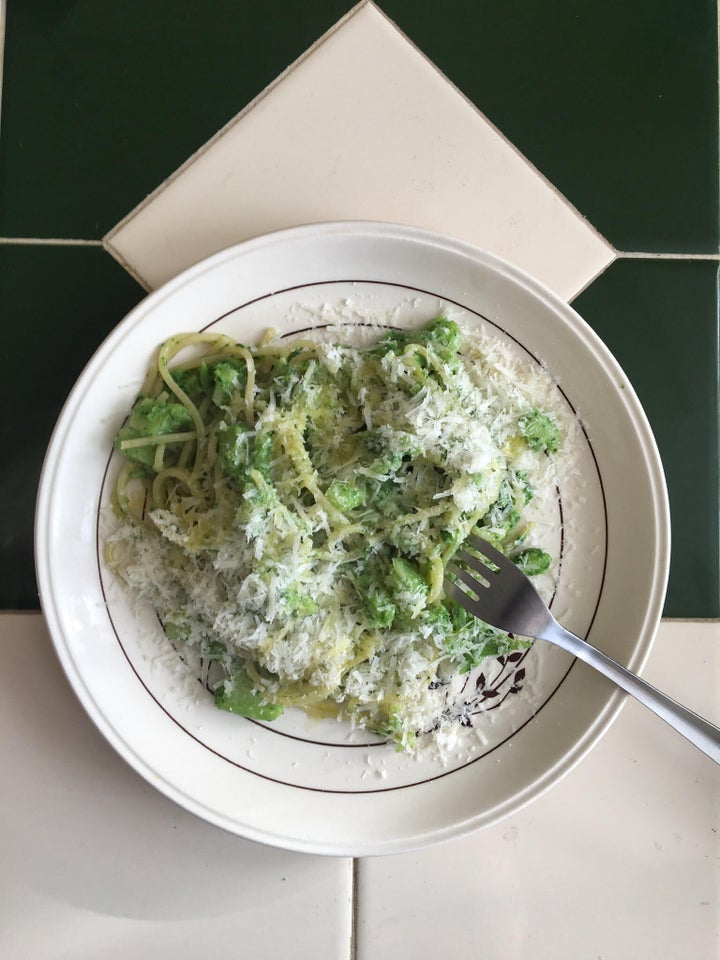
[(287, 583)]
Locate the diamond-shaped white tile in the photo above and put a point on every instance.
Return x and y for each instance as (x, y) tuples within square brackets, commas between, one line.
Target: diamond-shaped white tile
[(362, 127)]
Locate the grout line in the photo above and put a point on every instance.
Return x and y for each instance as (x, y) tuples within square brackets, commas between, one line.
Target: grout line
[(107, 239), (565, 201), (353, 909), (598, 273), (717, 377), (2, 51), (49, 242), (69, 241), (666, 256), (118, 257)]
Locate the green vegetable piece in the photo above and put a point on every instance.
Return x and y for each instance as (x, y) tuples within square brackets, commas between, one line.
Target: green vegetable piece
[(345, 496), (241, 452), (388, 465), (188, 381), (471, 640), (522, 484), (261, 494), (504, 514), (438, 617), (234, 451), (383, 495), (391, 342), (390, 446), (444, 338), (377, 602), (152, 418), (500, 524), (281, 370), (505, 498), (262, 454), (540, 432), (391, 728), (379, 606), (239, 697), (444, 332), (533, 561), (407, 585), (228, 379), (405, 575), (213, 649), (286, 374), (176, 630), (438, 333), (299, 604)]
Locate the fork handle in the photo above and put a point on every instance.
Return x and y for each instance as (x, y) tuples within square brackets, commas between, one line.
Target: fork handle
[(697, 730)]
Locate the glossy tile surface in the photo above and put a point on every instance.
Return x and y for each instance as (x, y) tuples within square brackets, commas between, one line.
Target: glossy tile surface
[(620, 860), (58, 304), (96, 863), (615, 103), (660, 319), (107, 100), (414, 151), (688, 414)]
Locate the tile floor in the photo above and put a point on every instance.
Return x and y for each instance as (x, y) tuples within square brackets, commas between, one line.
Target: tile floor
[(619, 860), (580, 141)]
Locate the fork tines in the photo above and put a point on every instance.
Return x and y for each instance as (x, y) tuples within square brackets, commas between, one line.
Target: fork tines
[(483, 547)]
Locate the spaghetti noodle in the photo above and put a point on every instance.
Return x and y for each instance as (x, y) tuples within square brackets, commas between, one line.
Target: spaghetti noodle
[(289, 510)]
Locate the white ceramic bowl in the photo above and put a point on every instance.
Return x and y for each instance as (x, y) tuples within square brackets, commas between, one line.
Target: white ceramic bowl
[(308, 786)]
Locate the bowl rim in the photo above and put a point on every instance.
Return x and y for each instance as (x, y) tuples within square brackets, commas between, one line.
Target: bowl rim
[(356, 228)]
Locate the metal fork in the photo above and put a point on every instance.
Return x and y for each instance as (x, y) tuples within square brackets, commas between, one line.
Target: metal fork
[(494, 589)]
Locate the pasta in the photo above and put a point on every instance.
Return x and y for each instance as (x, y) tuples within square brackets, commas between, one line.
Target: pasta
[(289, 510)]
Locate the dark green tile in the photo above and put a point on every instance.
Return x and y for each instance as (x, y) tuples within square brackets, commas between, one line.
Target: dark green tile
[(102, 101), (616, 103), (660, 319), (57, 304)]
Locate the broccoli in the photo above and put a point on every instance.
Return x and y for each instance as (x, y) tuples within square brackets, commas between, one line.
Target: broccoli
[(228, 378), (504, 515), (390, 446), (239, 452), (151, 418), (376, 601), (471, 640), (188, 381), (239, 696), (438, 333), (539, 431), (233, 451), (262, 454), (379, 606), (408, 587), (298, 604), (532, 561), (345, 496)]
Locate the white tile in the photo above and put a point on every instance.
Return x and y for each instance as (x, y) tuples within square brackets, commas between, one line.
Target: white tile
[(619, 861), (95, 863), (365, 127)]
